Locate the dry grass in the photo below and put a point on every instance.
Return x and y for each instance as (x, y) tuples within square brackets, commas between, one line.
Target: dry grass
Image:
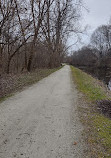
[(12, 83)]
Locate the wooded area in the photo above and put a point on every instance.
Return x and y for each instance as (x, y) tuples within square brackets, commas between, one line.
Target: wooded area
[(98, 52), (33, 33)]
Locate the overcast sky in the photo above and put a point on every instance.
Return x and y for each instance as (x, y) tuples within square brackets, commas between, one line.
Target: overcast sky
[(99, 14)]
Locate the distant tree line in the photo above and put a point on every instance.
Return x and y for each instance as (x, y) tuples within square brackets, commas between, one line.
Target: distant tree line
[(97, 53), (33, 33)]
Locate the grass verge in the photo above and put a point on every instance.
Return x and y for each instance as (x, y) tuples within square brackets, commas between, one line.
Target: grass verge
[(97, 127), (15, 83)]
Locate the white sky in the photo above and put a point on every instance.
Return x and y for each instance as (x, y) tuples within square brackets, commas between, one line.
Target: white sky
[(99, 14)]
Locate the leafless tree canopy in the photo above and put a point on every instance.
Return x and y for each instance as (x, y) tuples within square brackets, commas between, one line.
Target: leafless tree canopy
[(101, 41), (98, 52), (85, 57), (34, 33)]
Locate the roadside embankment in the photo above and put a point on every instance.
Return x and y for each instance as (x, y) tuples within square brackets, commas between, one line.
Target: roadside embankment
[(97, 123), (12, 83)]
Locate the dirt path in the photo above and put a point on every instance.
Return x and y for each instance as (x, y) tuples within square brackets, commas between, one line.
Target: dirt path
[(42, 121)]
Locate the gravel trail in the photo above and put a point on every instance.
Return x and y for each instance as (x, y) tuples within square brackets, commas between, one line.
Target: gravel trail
[(42, 121)]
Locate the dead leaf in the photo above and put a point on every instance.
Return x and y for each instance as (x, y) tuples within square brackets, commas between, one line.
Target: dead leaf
[(75, 143)]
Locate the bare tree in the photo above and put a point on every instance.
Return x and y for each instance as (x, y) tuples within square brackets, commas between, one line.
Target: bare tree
[(61, 20), (101, 39), (29, 27), (38, 11), (84, 57)]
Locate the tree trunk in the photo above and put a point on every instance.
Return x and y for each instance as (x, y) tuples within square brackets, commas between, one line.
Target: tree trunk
[(30, 62), (29, 65), (0, 60), (8, 66)]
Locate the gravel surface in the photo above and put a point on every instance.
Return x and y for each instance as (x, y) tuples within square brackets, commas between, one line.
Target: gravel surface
[(42, 121)]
